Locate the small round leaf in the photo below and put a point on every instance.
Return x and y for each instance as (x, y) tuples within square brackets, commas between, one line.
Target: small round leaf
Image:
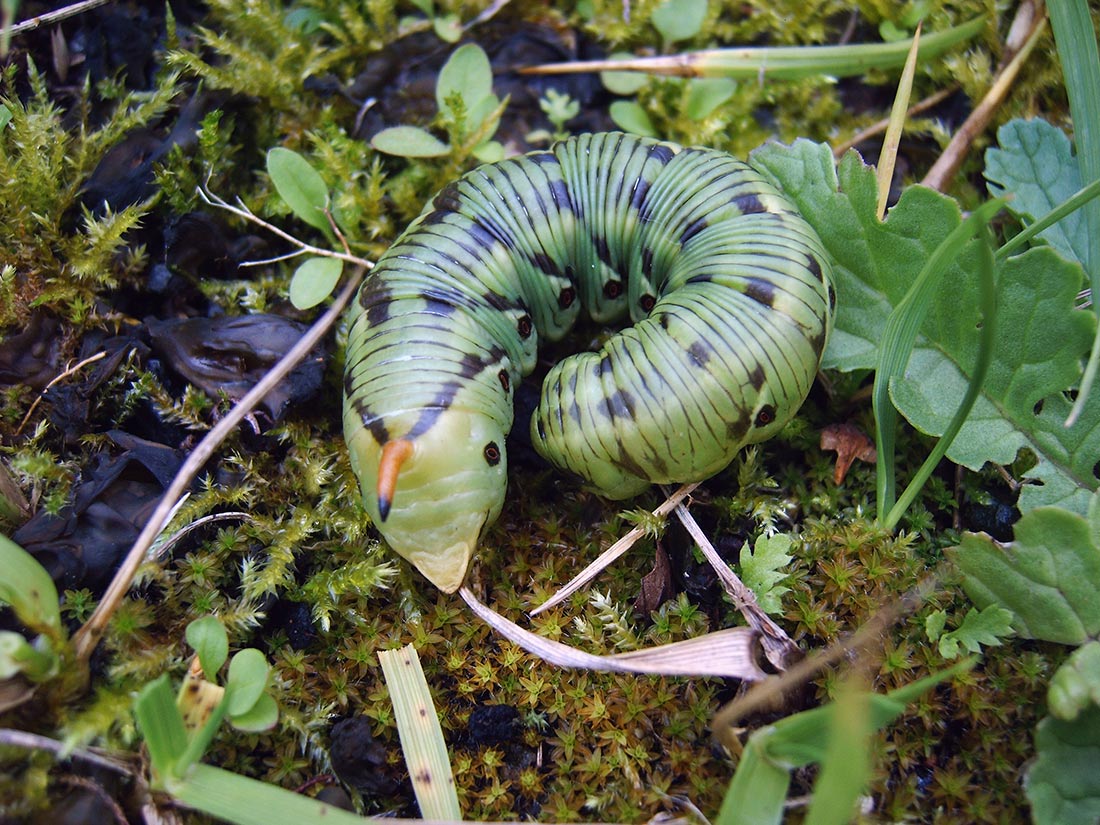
[(260, 717), (409, 142), (623, 83), (314, 281), (208, 637), (300, 185), (246, 681), (679, 19), (466, 72), (631, 117)]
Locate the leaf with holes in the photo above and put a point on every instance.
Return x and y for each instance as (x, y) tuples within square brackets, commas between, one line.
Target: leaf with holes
[(1041, 336)]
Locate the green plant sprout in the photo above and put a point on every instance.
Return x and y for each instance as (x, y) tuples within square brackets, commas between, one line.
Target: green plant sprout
[(468, 111), (27, 588), (559, 109), (447, 27)]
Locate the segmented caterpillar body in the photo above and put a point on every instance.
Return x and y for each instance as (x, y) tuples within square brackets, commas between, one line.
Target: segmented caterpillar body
[(727, 286)]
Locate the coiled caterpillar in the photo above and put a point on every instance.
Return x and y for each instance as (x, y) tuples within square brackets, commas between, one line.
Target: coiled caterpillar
[(727, 286)]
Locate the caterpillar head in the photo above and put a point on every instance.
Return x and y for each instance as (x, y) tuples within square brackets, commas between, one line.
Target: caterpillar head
[(432, 494)]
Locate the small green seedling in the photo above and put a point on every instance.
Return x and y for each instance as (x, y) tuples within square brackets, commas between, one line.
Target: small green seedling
[(28, 589), (179, 732), (447, 27), (468, 110), (559, 109)]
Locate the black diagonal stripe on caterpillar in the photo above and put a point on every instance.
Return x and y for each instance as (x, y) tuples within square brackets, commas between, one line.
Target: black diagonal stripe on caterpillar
[(728, 289)]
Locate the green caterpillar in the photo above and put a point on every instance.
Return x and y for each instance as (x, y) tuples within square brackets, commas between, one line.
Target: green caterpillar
[(727, 286)]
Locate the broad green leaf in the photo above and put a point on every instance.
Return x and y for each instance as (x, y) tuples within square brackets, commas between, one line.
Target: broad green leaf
[(490, 151), (1063, 784), (1047, 577), (467, 72), (679, 19), (208, 638), (260, 717), (846, 767), (314, 281), (246, 681), (28, 588), (761, 569), (1035, 165), (409, 142), (1076, 684), (448, 28), (1040, 337), (705, 94), (631, 117), (300, 185)]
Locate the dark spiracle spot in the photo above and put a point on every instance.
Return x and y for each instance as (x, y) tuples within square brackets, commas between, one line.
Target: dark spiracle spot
[(613, 289), (525, 327), (566, 297), (505, 381), (1096, 470), (492, 454), (647, 302), (1038, 408), (766, 416)]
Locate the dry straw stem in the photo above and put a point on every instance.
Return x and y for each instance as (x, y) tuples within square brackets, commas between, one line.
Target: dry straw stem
[(732, 653), (613, 552), (1029, 18), (91, 359), (86, 639)]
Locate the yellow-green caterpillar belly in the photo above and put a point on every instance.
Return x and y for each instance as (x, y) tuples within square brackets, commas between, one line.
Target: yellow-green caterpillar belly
[(727, 287)]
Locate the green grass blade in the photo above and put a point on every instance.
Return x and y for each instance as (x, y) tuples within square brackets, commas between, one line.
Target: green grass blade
[(421, 735), (758, 791), (986, 343), (900, 335), (162, 726), (892, 139), (846, 768), (1079, 199), (244, 801), (1076, 41), (779, 62)]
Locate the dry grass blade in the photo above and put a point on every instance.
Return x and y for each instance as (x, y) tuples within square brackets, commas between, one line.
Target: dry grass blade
[(889, 155), (613, 552), (778, 647), (731, 653)]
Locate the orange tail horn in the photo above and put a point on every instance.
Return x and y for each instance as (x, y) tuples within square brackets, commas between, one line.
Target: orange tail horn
[(394, 454)]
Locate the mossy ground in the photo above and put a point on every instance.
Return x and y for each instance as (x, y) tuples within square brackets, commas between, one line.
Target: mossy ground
[(303, 576)]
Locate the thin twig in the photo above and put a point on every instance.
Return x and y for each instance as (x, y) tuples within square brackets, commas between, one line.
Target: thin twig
[(242, 211), (613, 552), (86, 639), (32, 741), (778, 647), (879, 127), (56, 16), (948, 163), (91, 359)]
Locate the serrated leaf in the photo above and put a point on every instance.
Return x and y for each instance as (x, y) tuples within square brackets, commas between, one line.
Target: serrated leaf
[(1063, 784), (934, 624), (761, 569), (631, 117), (300, 185), (209, 640), (679, 19), (1047, 576), (1036, 166), (409, 142), (246, 681), (314, 281), (1041, 337), (1076, 684), (985, 627), (467, 73)]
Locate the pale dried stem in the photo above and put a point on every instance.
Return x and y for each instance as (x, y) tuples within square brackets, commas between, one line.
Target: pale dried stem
[(948, 164), (91, 359), (613, 552)]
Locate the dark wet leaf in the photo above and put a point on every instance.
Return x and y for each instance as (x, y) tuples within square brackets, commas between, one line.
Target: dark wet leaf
[(229, 355), (83, 545), (357, 760), (32, 357), (657, 585)]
